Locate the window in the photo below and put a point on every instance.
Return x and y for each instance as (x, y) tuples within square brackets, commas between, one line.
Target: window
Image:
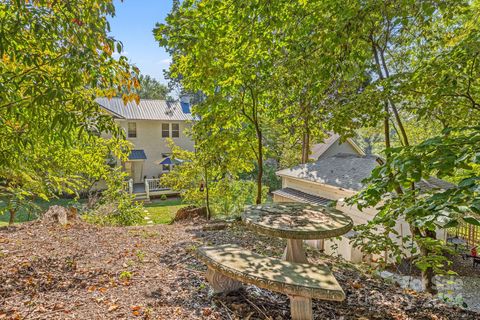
[(132, 129), (165, 130), (175, 130)]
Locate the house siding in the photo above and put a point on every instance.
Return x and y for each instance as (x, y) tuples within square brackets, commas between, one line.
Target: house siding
[(343, 247), (337, 148), (149, 138)]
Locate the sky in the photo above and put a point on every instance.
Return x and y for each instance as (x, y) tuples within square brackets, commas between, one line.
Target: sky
[(133, 24)]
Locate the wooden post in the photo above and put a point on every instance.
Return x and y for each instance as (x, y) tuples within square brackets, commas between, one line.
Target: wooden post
[(130, 186), (147, 189)]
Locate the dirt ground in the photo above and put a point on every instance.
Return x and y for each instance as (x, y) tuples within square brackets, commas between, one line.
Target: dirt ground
[(87, 272)]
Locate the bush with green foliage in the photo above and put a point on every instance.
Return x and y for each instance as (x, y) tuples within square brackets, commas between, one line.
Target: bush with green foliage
[(115, 205), (229, 196), (56, 58), (204, 180)]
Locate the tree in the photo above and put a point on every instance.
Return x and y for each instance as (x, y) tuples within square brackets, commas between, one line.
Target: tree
[(303, 67), (226, 58), (150, 88), (409, 42), (56, 58)]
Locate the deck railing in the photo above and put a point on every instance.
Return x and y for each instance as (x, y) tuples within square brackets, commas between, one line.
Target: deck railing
[(470, 233), (128, 186), (153, 185)]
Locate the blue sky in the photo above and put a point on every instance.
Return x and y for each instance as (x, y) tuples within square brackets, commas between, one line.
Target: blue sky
[(133, 24)]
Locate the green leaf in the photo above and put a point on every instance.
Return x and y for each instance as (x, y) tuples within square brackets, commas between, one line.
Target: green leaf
[(472, 220)]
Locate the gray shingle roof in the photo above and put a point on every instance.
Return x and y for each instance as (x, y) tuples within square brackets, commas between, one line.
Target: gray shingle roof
[(347, 171), (146, 110), (341, 170)]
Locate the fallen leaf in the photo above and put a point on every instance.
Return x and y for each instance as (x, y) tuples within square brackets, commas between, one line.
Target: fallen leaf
[(113, 307), (207, 311)]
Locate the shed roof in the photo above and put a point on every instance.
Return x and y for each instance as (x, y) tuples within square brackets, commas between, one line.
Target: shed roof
[(341, 170), (146, 110), (301, 196), (347, 171)]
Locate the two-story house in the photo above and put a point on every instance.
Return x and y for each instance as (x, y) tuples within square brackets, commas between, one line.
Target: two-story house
[(147, 126)]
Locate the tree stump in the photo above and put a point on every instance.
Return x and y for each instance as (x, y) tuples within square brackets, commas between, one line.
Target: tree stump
[(60, 215)]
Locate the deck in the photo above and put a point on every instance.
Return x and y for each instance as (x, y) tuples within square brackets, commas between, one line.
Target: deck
[(151, 187)]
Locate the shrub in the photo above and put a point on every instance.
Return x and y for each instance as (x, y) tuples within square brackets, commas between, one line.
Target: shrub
[(229, 197), (115, 206)]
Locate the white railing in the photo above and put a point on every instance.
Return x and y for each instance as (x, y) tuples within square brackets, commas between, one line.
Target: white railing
[(147, 188), (153, 185), (128, 186)]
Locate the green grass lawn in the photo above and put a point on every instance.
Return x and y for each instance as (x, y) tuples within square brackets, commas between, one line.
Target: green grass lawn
[(163, 211), (23, 214), (159, 211)]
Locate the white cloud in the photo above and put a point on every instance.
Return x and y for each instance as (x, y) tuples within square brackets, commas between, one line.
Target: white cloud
[(117, 55), (166, 61)]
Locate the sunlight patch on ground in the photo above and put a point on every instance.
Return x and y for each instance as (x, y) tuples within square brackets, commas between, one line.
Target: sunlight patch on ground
[(162, 211)]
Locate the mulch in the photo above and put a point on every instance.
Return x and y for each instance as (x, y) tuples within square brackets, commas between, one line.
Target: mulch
[(82, 271)]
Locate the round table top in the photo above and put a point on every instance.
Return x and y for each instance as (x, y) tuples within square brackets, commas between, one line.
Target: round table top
[(297, 220)]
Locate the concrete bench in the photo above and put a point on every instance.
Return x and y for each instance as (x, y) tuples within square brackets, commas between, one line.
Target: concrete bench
[(229, 265)]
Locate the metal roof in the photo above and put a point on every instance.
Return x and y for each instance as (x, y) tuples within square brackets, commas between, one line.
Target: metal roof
[(300, 196), (146, 110), (137, 155)]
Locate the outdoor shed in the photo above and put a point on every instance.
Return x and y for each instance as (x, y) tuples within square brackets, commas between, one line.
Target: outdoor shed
[(336, 178)]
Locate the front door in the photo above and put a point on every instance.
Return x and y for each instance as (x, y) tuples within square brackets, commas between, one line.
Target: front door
[(134, 169)]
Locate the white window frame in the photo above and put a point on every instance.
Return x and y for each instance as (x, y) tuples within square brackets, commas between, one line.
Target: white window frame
[(128, 130), (168, 131), (171, 126)]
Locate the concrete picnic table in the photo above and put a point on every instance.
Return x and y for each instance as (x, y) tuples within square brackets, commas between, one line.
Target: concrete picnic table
[(296, 222)]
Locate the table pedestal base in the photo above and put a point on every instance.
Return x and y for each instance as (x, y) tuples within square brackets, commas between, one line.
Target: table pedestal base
[(301, 308), (221, 283), (294, 251)]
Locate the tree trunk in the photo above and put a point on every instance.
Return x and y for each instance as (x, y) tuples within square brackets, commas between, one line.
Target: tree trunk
[(260, 165), (305, 147), (12, 216), (427, 275), (207, 198)]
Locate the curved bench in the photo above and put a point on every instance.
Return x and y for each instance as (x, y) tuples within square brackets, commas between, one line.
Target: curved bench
[(228, 265)]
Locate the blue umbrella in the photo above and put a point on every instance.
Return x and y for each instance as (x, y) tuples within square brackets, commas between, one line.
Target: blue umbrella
[(167, 160)]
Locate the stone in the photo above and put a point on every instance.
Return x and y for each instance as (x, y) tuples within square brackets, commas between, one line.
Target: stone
[(60, 215), (190, 212)]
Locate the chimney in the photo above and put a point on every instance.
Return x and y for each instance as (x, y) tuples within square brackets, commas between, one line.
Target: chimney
[(185, 102)]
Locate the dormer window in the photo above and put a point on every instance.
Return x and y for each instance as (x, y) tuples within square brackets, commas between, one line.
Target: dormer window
[(132, 129)]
